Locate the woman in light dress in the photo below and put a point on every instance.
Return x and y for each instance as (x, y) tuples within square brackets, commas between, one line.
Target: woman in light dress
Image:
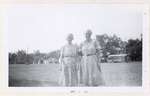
[(68, 61), (91, 70)]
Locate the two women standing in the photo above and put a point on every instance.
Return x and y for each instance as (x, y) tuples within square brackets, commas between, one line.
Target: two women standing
[(89, 68)]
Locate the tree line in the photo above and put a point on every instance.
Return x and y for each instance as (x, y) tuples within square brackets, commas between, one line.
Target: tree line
[(22, 57), (109, 44)]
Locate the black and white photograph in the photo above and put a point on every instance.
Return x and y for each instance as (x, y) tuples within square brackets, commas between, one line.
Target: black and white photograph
[(75, 45)]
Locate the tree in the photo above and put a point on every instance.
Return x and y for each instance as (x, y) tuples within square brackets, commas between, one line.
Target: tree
[(54, 54), (111, 44), (134, 49), (29, 58), (12, 58), (21, 57), (37, 56)]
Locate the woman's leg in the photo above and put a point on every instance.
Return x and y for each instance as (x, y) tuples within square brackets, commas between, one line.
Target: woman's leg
[(90, 71), (66, 73), (74, 77), (69, 76), (85, 73)]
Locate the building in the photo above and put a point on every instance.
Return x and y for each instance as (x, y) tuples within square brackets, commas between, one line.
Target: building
[(116, 58)]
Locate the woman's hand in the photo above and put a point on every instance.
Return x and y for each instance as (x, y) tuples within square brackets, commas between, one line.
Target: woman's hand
[(60, 64)]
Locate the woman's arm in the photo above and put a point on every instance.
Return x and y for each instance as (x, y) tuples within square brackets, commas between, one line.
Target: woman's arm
[(98, 54), (61, 58), (80, 50), (98, 48), (78, 56)]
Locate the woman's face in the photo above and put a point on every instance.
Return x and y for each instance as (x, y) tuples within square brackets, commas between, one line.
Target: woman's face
[(87, 36), (70, 38)]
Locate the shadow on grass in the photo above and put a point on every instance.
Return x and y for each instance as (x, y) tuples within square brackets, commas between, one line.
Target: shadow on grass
[(31, 83)]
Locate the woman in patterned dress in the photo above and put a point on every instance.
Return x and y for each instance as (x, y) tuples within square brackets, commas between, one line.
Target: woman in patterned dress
[(68, 61), (91, 71)]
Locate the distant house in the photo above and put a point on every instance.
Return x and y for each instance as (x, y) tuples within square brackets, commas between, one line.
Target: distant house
[(46, 61), (46, 58), (50, 61), (118, 58), (38, 61)]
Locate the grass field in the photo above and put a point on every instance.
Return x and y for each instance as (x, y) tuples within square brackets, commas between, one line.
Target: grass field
[(114, 74)]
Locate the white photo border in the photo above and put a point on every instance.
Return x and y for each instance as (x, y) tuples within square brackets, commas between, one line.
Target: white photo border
[(145, 68)]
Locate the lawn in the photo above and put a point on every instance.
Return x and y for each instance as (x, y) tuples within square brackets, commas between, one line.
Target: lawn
[(114, 74)]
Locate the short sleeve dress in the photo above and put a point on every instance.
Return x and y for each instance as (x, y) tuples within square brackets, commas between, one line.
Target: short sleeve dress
[(69, 65), (91, 71)]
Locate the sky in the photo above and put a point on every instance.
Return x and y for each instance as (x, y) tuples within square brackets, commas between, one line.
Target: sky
[(45, 28)]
